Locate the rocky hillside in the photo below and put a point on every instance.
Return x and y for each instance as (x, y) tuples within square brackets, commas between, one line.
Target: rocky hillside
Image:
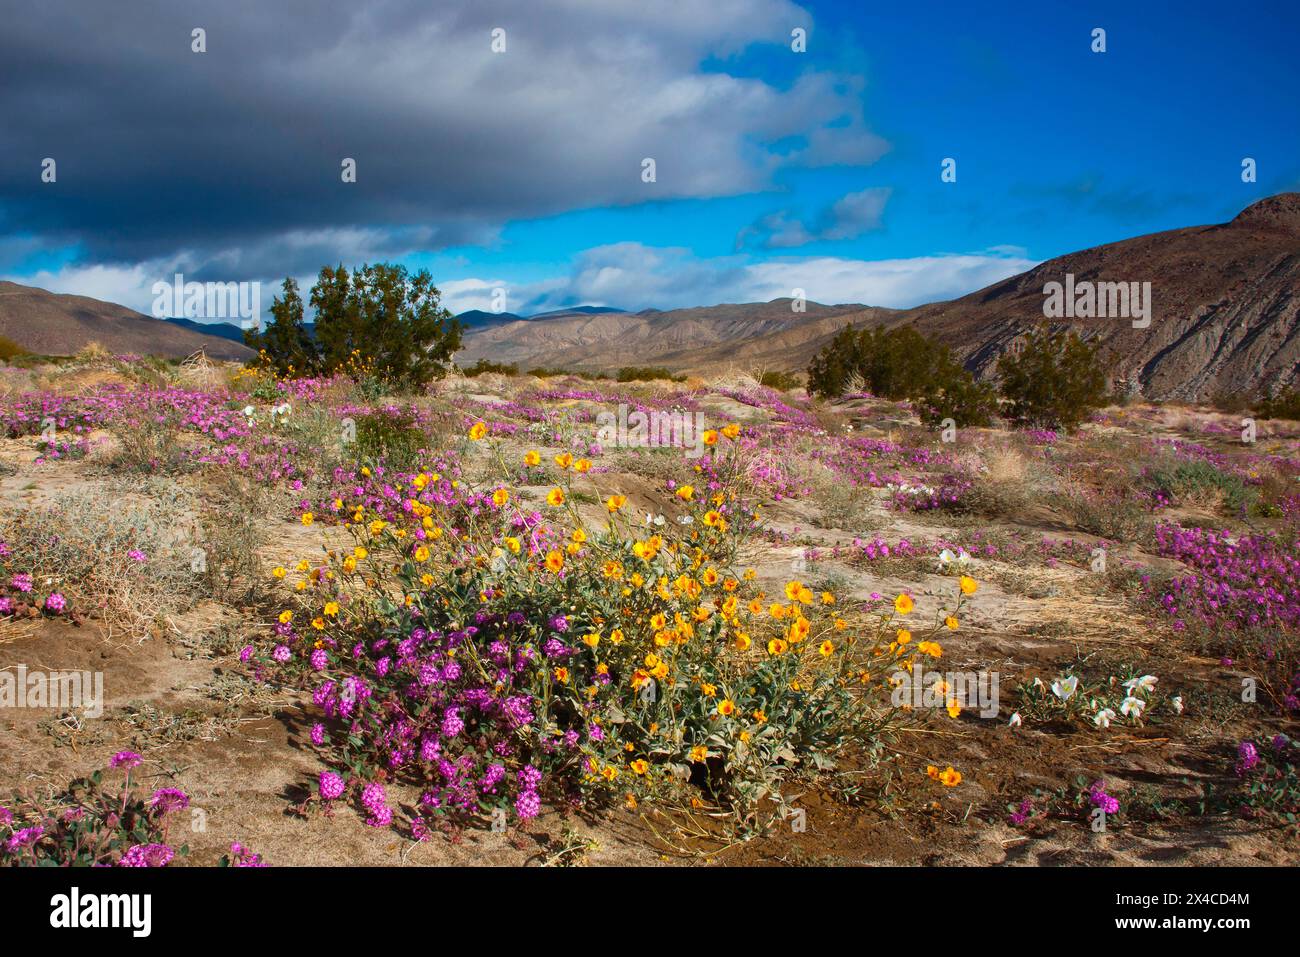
[(1225, 314)]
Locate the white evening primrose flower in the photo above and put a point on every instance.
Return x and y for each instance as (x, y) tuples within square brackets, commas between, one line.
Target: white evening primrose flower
[(1177, 702), (946, 558), (1146, 683), (1064, 688), (1132, 707), (1103, 718), (1015, 720)]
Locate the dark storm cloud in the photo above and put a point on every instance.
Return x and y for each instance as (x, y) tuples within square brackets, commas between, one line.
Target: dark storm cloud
[(232, 156)]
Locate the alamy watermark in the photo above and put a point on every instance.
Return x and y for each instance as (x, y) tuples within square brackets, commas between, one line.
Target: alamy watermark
[(632, 428), (918, 688), (238, 301), (65, 690), (1098, 300)]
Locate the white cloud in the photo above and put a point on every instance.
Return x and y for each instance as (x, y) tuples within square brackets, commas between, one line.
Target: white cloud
[(633, 276)]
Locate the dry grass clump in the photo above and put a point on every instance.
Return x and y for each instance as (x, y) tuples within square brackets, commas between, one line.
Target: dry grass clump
[(200, 372), (149, 445), (125, 560), (841, 504), (232, 527), (1009, 482)]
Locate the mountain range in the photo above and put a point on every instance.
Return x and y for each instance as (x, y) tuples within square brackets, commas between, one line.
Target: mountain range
[(1225, 318), (1224, 298)]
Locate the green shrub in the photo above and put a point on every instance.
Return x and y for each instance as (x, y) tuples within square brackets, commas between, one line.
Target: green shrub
[(393, 436), (646, 374), (902, 363), (10, 349), (484, 367), (775, 379), (1055, 382), (1285, 405), (1192, 480), (377, 320)]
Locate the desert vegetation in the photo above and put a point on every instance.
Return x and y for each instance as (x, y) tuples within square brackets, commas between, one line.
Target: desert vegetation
[(371, 609)]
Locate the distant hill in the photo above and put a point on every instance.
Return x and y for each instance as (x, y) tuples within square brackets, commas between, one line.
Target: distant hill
[(50, 323), (696, 339), (575, 311), (224, 330), (479, 319)]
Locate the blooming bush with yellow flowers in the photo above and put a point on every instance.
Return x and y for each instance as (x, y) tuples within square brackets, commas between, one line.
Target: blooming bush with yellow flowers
[(492, 654)]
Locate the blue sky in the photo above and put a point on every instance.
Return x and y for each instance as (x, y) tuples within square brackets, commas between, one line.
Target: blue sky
[(775, 170)]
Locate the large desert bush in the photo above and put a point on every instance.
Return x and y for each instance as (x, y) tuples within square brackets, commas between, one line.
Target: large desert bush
[(902, 363), (1055, 382), (381, 316)]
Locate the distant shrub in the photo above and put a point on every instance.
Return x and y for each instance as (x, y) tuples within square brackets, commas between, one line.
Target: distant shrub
[(1054, 383), (1285, 405), (646, 374), (778, 380), (542, 372), (1234, 402), (484, 367), (898, 364), (10, 349)]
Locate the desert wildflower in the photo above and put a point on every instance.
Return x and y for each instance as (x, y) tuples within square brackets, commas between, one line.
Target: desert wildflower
[(555, 561), (532, 458), (726, 707), (500, 497), (477, 431), (904, 604), (968, 585), (555, 497), (615, 502)]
